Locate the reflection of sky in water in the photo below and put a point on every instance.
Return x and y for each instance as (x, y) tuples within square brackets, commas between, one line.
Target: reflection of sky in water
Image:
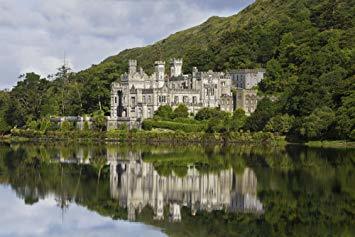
[(45, 219)]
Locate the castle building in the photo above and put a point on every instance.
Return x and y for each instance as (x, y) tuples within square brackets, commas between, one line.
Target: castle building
[(137, 95)]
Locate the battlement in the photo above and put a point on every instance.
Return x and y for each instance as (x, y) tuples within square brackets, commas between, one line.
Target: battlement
[(159, 63), (175, 61)]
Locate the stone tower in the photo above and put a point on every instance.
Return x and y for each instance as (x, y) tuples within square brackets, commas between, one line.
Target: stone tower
[(132, 64), (159, 70), (176, 67)]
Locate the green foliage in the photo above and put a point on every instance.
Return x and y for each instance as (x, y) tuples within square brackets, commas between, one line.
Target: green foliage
[(352, 135), (4, 102), (181, 111), (86, 126), (164, 112), (44, 124), (207, 113), (32, 124), (281, 124), (99, 120), (265, 111), (238, 120), (316, 125), (148, 124), (66, 126), (345, 119)]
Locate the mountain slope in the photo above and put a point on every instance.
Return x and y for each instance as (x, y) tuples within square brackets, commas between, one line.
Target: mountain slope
[(247, 39)]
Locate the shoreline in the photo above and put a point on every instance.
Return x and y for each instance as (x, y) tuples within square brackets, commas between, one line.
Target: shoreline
[(168, 137), (146, 137)]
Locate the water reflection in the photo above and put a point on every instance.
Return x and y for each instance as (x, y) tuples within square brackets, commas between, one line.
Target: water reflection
[(136, 183), (192, 191)]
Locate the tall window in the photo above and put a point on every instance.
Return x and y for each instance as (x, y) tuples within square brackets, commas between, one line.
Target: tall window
[(176, 99), (133, 101), (194, 100)]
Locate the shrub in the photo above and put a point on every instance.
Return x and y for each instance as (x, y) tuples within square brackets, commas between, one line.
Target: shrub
[(44, 124), (280, 124), (66, 126), (172, 125), (181, 111), (164, 112)]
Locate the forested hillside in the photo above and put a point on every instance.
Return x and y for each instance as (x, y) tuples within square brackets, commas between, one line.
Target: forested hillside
[(307, 47)]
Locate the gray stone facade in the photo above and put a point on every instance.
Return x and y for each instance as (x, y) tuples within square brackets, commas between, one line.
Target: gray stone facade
[(247, 78), (137, 95)]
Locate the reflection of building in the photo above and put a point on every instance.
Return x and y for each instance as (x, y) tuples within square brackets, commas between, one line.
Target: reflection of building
[(79, 155), (137, 184)]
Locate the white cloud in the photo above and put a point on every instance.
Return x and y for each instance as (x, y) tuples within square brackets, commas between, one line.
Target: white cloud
[(35, 34), (44, 218)]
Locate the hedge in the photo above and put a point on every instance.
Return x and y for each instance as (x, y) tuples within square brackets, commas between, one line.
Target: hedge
[(174, 126)]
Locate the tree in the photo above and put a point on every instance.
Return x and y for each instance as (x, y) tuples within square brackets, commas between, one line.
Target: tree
[(264, 112), (345, 121), (27, 98), (99, 120), (238, 120), (316, 125), (181, 111), (280, 124), (4, 103), (164, 112)]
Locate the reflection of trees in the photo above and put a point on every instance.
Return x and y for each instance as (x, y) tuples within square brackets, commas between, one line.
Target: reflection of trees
[(303, 190)]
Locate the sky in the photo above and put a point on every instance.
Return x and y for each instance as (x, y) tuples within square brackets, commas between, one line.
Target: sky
[(46, 219), (36, 35)]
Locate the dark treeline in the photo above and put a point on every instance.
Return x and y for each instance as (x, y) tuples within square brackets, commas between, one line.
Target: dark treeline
[(306, 46)]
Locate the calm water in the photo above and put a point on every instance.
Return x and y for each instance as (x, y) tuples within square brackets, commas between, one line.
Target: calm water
[(112, 190)]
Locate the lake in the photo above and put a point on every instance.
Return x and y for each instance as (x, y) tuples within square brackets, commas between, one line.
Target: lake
[(71, 189)]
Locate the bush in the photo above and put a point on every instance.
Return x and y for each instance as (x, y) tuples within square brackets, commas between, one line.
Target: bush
[(172, 125), (32, 124), (280, 124), (181, 111), (352, 135), (45, 124), (164, 112), (66, 126)]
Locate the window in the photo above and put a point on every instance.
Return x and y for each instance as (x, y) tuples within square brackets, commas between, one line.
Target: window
[(212, 92), (133, 101), (176, 99), (115, 99), (149, 99), (185, 99), (162, 99), (144, 99), (194, 100)]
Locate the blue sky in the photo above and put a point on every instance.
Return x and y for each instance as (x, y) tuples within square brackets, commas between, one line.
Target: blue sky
[(35, 34)]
